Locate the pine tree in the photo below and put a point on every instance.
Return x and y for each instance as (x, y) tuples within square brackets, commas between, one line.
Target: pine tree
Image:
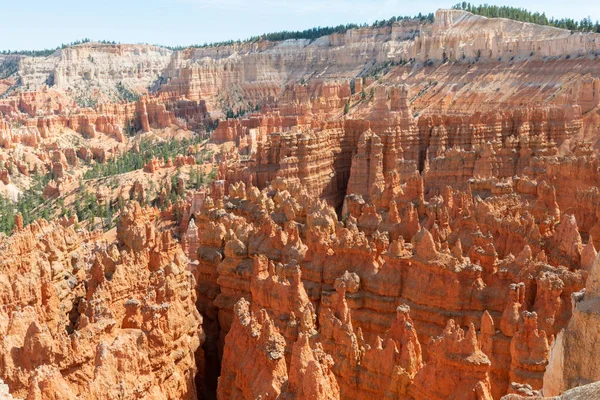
[(523, 15)]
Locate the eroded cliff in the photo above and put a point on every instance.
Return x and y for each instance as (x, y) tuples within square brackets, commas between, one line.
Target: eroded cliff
[(408, 211)]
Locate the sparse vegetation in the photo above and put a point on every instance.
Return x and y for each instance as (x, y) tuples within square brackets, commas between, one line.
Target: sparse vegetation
[(378, 70), (126, 94), (197, 178), (130, 129), (7, 215), (29, 205), (87, 208), (132, 160), (84, 102), (32, 206), (313, 33), (230, 113), (424, 90), (8, 68), (50, 79)]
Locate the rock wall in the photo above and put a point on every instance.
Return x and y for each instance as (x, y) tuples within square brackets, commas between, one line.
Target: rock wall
[(446, 258), (92, 67), (383, 143), (573, 359)]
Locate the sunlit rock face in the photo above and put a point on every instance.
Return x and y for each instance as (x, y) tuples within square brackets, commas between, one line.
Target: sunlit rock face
[(109, 312), (409, 211)]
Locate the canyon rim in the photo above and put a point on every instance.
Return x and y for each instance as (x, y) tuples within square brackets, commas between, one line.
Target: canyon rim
[(408, 209)]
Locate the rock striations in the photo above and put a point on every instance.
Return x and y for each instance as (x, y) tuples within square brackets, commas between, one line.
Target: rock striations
[(365, 293), (408, 211)]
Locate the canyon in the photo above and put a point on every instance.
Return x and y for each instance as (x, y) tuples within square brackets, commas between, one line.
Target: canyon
[(404, 211)]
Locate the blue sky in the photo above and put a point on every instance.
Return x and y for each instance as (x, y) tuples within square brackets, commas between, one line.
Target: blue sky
[(37, 24)]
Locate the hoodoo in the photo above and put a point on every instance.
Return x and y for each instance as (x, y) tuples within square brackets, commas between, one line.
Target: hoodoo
[(408, 209)]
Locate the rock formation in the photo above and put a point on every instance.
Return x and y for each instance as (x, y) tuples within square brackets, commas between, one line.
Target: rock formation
[(246, 242), (573, 358), (81, 314), (406, 211)]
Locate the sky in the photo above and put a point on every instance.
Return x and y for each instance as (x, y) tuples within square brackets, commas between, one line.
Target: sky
[(40, 24)]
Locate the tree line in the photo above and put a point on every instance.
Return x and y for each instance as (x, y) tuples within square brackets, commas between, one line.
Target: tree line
[(134, 160), (29, 204), (523, 15), (490, 11), (310, 34), (47, 52), (89, 211)]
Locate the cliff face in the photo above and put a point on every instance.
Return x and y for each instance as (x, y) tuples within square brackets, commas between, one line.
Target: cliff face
[(523, 88), (456, 33), (90, 68), (257, 71), (382, 146), (571, 363)]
